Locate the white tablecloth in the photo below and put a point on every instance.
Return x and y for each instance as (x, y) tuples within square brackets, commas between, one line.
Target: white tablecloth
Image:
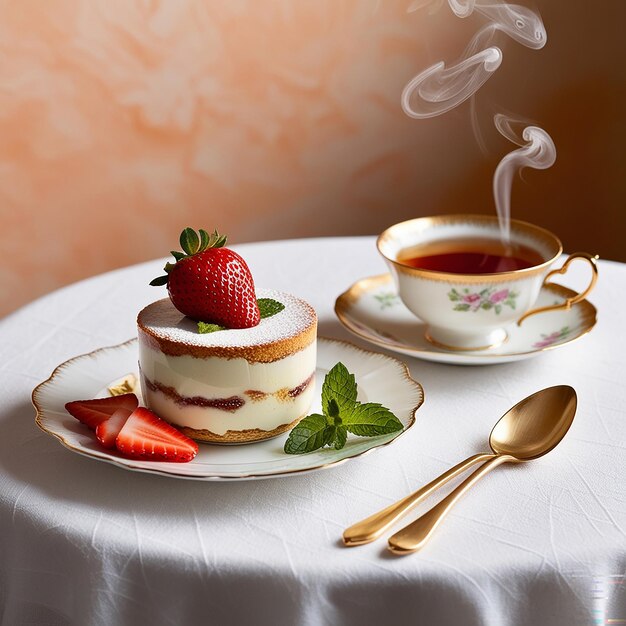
[(86, 543)]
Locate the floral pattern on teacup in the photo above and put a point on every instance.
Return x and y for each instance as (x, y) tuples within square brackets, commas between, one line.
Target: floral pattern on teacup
[(488, 299), (555, 337), (387, 300)]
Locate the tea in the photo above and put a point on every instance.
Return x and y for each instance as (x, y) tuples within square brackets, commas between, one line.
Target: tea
[(470, 256)]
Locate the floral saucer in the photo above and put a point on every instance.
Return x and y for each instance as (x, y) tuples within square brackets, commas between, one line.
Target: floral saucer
[(372, 310), (380, 378)]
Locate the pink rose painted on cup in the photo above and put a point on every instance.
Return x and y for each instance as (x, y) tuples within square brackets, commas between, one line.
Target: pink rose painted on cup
[(499, 296), (485, 300), (472, 300), (474, 297)]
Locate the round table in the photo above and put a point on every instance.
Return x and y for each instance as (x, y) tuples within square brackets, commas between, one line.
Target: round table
[(84, 542)]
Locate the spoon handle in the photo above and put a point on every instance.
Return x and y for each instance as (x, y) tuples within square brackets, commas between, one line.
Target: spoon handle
[(372, 527), (416, 534)]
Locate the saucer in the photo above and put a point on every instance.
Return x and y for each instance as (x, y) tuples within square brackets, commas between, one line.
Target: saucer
[(372, 310), (380, 378)]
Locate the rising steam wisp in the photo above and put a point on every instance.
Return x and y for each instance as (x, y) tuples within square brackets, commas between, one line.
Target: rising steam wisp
[(537, 151), (438, 88)]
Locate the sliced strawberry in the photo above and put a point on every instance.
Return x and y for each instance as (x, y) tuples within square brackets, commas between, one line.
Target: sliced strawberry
[(146, 436), (107, 431), (94, 412)]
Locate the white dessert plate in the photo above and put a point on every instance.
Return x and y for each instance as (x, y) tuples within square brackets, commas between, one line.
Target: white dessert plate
[(372, 310), (379, 378)]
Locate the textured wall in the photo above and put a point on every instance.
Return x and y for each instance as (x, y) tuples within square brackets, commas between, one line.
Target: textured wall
[(122, 121)]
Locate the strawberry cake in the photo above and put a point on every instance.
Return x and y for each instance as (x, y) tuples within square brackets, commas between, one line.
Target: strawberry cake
[(234, 385), (219, 360)]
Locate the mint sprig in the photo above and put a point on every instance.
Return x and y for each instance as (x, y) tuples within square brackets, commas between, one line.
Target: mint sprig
[(342, 414)]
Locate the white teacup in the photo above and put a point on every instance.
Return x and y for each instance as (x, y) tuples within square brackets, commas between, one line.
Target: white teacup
[(472, 311)]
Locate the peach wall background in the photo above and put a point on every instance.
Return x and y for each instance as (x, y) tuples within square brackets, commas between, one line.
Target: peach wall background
[(122, 121)]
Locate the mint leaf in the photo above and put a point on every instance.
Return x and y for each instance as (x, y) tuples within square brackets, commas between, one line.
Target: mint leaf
[(311, 433), (205, 327), (269, 307), (339, 387), (371, 419), (341, 435), (329, 435), (333, 409)]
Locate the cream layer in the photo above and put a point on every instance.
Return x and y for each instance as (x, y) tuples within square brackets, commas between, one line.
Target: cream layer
[(265, 414), (268, 407)]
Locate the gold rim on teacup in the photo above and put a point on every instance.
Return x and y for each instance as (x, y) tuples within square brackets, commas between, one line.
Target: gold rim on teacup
[(537, 233), (475, 333)]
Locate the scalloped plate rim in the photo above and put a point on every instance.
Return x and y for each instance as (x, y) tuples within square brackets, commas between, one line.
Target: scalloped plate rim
[(45, 414), (437, 355)]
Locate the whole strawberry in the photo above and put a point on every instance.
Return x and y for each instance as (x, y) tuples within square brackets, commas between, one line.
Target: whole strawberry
[(211, 283)]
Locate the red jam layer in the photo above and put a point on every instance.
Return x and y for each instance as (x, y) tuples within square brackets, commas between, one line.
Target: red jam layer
[(224, 404)]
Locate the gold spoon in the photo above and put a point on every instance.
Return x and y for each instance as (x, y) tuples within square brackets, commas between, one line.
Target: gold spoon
[(372, 527), (529, 430)]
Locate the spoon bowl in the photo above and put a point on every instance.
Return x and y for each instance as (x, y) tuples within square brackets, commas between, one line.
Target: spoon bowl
[(535, 425)]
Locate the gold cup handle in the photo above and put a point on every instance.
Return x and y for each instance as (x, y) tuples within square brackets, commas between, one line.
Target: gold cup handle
[(592, 260)]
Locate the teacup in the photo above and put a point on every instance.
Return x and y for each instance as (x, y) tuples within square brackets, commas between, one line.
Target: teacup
[(465, 310)]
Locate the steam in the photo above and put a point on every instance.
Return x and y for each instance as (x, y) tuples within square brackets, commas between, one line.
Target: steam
[(520, 23), (537, 151), (439, 89)]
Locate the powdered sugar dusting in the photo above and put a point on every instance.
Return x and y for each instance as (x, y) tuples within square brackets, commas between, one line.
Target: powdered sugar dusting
[(164, 321)]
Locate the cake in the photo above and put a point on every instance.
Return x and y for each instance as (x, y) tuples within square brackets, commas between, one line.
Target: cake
[(236, 385)]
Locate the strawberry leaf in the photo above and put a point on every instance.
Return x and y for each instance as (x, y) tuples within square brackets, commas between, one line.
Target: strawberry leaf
[(178, 255), (189, 241), (204, 240), (161, 280), (216, 240)]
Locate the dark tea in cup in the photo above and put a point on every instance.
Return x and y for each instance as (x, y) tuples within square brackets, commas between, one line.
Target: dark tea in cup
[(470, 256)]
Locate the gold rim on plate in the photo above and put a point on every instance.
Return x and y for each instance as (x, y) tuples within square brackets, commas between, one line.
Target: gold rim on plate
[(128, 464)]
